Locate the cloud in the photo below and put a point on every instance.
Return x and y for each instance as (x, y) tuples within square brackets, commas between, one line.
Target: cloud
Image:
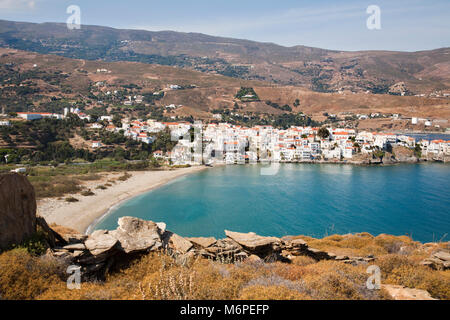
[(17, 5)]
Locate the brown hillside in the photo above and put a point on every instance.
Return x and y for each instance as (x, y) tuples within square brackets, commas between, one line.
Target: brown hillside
[(212, 91)]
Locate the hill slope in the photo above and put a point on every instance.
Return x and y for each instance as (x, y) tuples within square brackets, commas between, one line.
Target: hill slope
[(318, 69), (31, 81)]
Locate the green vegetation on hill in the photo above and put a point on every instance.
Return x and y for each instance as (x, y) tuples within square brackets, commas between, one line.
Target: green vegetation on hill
[(281, 121), (48, 140), (286, 107), (247, 95)]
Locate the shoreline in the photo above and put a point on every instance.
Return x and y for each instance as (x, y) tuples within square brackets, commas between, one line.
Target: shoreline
[(84, 214)]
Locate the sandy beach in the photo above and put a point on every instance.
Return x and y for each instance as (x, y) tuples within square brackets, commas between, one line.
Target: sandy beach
[(80, 215)]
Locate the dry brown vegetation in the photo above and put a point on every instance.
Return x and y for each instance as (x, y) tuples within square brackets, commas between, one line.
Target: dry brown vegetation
[(160, 276)]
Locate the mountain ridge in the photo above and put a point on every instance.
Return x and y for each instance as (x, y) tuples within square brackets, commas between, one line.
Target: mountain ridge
[(317, 69)]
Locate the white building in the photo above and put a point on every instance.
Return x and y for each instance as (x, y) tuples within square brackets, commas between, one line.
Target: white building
[(106, 118), (96, 144)]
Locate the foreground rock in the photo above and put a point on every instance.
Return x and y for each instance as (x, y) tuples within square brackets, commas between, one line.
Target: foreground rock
[(101, 250), (403, 293), (439, 260), (176, 243), (203, 242), (254, 244), (17, 209), (135, 235), (100, 242)]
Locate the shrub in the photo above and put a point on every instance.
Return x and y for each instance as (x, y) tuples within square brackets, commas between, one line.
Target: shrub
[(260, 292), (87, 193), (330, 280), (420, 277), (388, 263), (290, 272), (23, 276), (71, 199), (124, 177), (302, 261), (36, 244), (54, 186), (89, 177), (101, 187), (159, 275), (62, 230)]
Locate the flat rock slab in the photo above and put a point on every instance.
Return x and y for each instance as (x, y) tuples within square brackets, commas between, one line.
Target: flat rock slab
[(442, 255), (137, 235), (298, 243), (252, 241), (403, 293), (177, 243), (75, 246), (75, 238), (203, 242), (100, 242)]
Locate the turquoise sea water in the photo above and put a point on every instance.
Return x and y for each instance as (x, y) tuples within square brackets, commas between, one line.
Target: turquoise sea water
[(309, 199)]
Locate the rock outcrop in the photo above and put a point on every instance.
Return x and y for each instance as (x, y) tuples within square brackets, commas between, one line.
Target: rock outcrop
[(96, 253), (404, 154), (254, 244), (203, 242), (439, 260), (135, 235), (17, 209), (403, 293), (176, 243)]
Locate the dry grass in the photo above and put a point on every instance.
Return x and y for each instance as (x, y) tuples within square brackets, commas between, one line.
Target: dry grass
[(363, 244), (62, 230), (406, 271), (160, 276), (23, 276), (55, 186)]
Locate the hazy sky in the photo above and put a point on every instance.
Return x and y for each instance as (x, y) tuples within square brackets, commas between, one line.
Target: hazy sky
[(407, 25)]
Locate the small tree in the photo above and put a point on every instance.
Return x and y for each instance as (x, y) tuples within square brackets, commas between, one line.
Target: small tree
[(418, 150), (323, 133), (117, 120)]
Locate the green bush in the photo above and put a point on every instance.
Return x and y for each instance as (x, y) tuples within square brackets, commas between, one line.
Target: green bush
[(71, 199), (87, 193)]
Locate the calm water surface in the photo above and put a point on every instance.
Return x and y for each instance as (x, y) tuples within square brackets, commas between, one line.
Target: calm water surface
[(309, 199)]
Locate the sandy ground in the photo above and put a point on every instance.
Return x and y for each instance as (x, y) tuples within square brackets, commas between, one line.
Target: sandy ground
[(79, 215)]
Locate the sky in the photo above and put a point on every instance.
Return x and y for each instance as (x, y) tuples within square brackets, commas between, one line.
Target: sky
[(406, 25)]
